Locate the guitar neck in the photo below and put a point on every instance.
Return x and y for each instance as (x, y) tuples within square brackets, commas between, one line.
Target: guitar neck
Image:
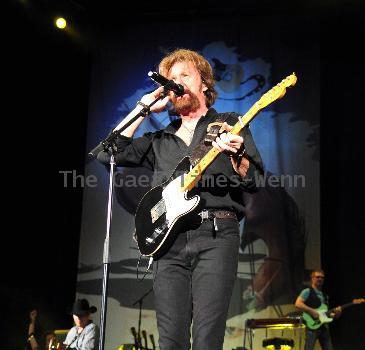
[(344, 306), (194, 175), (273, 94)]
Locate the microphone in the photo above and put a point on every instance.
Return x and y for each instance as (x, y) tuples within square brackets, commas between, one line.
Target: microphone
[(153, 341), (133, 330), (144, 335), (178, 89)]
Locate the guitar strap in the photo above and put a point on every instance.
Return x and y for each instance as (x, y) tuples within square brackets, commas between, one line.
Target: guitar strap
[(212, 132)]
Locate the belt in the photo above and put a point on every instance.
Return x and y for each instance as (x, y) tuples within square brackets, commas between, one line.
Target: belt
[(217, 214)]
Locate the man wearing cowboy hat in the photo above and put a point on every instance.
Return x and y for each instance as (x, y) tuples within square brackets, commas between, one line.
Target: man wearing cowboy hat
[(85, 334)]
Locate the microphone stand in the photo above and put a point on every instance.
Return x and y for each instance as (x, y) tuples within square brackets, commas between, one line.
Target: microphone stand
[(106, 255), (140, 301), (107, 145)]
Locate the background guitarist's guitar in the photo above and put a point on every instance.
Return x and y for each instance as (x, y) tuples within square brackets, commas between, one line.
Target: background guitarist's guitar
[(324, 314), (161, 212)]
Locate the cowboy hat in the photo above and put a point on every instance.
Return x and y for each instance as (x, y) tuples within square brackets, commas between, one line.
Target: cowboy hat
[(81, 307)]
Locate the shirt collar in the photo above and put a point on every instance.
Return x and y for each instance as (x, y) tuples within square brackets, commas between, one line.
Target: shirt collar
[(175, 124)]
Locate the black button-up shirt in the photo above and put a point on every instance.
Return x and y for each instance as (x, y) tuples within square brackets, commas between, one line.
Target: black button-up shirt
[(161, 151)]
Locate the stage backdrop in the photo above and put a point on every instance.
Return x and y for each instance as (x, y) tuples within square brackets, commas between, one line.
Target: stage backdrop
[(280, 234)]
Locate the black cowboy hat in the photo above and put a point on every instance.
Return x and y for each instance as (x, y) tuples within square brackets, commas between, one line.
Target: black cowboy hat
[(81, 307)]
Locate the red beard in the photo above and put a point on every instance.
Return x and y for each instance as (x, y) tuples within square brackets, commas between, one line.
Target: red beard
[(189, 102)]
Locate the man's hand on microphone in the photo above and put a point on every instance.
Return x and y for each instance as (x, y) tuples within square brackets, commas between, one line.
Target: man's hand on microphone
[(160, 105), (142, 105)]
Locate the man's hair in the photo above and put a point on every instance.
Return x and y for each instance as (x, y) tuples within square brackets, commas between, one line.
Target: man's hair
[(200, 63), (316, 270)]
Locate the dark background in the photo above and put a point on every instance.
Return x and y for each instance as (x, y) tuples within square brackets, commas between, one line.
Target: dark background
[(45, 80)]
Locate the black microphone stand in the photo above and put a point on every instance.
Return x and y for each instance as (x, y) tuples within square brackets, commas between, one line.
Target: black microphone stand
[(140, 302), (108, 145)]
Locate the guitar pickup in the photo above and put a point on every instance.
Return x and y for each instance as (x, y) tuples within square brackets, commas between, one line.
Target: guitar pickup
[(158, 210), (157, 232), (149, 240)]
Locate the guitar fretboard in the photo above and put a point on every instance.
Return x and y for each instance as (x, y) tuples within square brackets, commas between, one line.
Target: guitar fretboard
[(344, 306)]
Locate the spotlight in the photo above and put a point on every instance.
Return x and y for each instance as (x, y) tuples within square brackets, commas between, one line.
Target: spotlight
[(60, 23)]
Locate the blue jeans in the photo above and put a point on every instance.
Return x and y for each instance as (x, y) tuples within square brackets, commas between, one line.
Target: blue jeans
[(193, 283), (323, 336)]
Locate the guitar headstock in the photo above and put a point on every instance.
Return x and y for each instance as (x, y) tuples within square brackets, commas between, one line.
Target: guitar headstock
[(278, 91), (358, 301)]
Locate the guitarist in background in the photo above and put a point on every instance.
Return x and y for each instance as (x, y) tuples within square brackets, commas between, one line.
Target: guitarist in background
[(308, 301), (194, 279), (85, 334)]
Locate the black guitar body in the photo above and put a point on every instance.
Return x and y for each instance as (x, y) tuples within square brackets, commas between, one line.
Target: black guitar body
[(161, 214)]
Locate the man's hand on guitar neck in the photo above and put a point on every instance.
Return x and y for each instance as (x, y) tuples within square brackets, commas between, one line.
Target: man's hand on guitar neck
[(231, 144), (336, 312), (227, 142)]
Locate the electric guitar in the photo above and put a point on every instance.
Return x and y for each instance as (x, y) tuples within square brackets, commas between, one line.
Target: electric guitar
[(324, 314), (162, 211)]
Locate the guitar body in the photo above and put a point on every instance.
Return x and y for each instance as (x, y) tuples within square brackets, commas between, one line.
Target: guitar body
[(159, 216), (312, 323)]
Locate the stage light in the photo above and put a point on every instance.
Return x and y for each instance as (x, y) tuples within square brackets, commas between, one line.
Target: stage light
[(61, 23), (278, 344)]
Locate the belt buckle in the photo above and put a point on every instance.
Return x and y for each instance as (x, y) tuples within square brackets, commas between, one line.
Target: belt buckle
[(204, 215)]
